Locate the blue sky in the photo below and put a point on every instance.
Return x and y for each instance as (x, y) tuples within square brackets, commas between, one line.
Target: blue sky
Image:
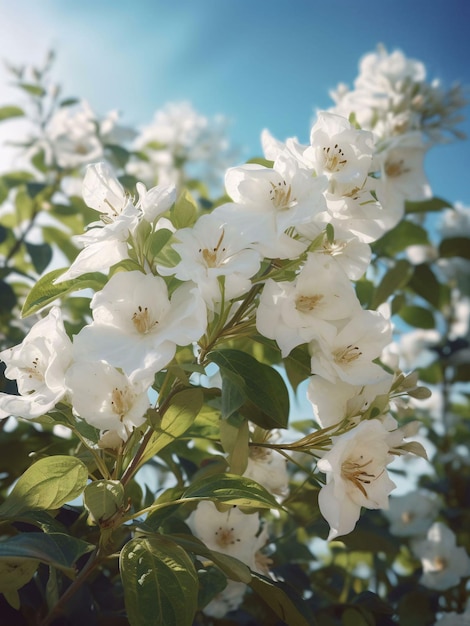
[(262, 63)]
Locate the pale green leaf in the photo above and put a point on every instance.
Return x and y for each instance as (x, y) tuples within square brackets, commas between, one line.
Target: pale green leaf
[(47, 484), (160, 583)]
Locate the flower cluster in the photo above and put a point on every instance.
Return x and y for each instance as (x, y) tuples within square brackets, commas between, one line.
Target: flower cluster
[(278, 275)]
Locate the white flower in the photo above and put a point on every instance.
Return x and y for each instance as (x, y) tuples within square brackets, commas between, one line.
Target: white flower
[(106, 398), (332, 402), (229, 599), (269, 469), (38, 364), (182, 144), (267, 202), (356, 476), (103, 245), (136, 326), (340, 152), (412, 513), (210, 250), (295, 313), (444, 563), (155, 201), (71, 136), (230, 532), (350, 354), (402, 173), (103, 192)]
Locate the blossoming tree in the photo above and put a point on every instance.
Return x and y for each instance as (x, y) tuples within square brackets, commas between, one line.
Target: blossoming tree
[(162, 472)]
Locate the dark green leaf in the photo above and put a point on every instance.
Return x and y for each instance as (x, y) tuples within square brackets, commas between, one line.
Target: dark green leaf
[(396, 278), (41, 255), (7, 298), (231, 489), (455, 246), (399, 238), (160, 583), (425, 284), (417, 316), (263, 385), (120, 154), (283, 600), (425, 206), (56, 549), (68, 102)]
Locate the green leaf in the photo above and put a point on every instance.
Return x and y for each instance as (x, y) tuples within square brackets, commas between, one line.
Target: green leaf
[(103, 499), (231, 489), (56, 549), (39, 161), (47, 484), (399, 238), (396, 278), (68, 102), (233, 394), (184, 213), (285, 603), (7, 298), (262, 384), (46, 291), (160, 583), (24, 205), (297, 365), (425, 284), (14, 179), (14, 574), (176, 420), (455, 246), (7, 112), (157, 241), (119, 154), (41, 255), (425, 206), (34, 90), (417, 316), (234, 439)]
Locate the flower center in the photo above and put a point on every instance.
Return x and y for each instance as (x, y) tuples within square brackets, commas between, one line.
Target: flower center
[(225, 537), (394, 169), (142, 321), (33, 371), (347, 355), (307, 303), (210, 255), (439, 563), (281, 195), (258, 453), (357, 475), (334, 159), (406, 517), (121, 401), (333, 247)]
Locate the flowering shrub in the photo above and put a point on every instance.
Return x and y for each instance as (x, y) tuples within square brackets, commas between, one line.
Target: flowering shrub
[(162, 472)]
